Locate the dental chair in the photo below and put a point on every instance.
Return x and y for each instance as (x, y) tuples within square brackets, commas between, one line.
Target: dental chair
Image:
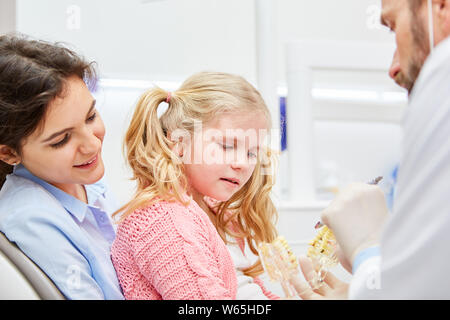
[(21, 278)]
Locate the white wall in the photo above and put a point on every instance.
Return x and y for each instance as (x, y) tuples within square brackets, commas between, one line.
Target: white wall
[(170, 39), (116, 107), (343, 20), (7, 16), (157, 40)]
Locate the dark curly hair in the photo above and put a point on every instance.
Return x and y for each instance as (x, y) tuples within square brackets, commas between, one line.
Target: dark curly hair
[(32, 74)]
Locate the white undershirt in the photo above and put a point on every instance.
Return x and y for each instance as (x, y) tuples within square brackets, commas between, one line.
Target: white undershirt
[(247, 289)]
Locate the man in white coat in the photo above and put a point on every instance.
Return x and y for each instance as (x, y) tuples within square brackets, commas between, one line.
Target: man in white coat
[(405, 254)]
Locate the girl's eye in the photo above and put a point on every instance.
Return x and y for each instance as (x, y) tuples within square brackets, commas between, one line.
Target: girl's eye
[(92, 118), (62, 142), (252, 155)]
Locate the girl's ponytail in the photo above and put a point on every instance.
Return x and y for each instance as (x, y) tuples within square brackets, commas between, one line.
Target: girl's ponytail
[(148, 150)]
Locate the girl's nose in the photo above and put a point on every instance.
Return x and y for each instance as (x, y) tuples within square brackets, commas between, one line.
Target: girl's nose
[(241, 161)]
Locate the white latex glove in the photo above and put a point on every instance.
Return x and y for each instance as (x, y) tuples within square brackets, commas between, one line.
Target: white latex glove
[(331, 289), (343, 260), (356, 216)]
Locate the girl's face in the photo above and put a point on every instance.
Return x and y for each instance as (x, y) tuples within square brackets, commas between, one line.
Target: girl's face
[(66, 150), (222, 156)]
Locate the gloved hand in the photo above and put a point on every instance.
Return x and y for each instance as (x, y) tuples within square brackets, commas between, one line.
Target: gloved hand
[(343, 260), (332, 288), (356, 216)]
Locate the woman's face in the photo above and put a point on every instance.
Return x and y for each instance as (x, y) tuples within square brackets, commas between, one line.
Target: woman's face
[(66, 149)]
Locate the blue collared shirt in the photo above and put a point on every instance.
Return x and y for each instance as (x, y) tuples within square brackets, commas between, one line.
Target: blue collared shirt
[(67, 238)]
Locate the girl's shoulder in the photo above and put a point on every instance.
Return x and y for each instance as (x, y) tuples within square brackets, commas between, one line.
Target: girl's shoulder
[(163, 216), (172, 208)]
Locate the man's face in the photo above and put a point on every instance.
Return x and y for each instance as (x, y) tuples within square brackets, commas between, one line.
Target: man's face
[(411, 37)]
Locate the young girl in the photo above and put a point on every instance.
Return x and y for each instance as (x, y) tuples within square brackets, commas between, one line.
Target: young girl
[(53, 204), (170, 244)]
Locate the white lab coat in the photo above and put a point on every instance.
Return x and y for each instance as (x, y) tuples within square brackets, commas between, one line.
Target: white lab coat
[(415, 245)]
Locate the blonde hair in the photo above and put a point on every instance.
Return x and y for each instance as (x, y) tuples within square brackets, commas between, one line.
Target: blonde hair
[(160, 175)]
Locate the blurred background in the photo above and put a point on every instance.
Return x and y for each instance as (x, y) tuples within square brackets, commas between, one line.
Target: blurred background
[(322, 67)]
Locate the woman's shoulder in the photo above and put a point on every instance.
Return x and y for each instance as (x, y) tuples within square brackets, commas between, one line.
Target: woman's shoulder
[(21, 192), (22, 199)]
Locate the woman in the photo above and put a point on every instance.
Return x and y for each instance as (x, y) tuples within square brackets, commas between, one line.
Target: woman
[(53, 203)]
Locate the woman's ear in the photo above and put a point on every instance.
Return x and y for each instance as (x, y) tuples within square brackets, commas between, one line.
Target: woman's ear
[(8, 155)]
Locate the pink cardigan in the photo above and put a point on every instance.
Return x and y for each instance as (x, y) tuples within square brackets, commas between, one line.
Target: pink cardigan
[(169, 251)]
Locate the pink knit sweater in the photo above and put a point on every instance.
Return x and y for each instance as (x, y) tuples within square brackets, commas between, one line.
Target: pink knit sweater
[(169, 251)]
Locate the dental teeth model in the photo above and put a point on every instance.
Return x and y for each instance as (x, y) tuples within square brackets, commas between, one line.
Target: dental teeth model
[(280, 263), (322, 249)]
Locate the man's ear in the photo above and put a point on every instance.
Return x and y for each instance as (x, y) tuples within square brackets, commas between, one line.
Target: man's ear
[(8, 155)]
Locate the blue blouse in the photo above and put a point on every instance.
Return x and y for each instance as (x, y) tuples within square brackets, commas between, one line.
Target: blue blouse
[(67, 238)]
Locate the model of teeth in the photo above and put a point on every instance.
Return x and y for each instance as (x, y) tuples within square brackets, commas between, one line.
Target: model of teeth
[(280, 263)]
